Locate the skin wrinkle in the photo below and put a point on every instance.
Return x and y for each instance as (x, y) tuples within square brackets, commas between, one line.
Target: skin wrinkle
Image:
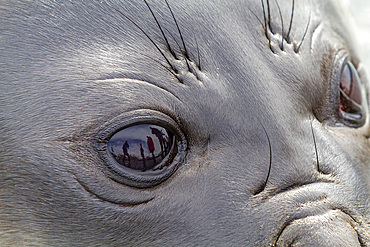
[(104, 199), (269, 30), (184, 51), (130, 80)]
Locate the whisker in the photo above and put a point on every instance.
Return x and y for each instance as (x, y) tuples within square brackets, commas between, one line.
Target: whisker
[(269, 14), (187, 64), (263, 186), (151, 40), (256, 17), (178, 28), (291, 23), (282, 26), (305, 33), (160, 28), (177, 43), (198, 52), (264, 17), (155, 60), (314, 141)]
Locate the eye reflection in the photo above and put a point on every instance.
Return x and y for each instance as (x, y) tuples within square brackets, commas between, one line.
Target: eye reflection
[(351, 94), (141, 147)]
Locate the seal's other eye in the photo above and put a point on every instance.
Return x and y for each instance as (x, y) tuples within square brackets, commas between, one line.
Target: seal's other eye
[(142, 147), (351, 107)]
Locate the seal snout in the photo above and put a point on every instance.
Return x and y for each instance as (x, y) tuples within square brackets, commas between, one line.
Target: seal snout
[(316, 217), (332, 228)]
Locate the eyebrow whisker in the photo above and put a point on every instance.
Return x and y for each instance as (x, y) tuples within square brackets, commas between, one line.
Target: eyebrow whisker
[(160, 28), (256, 17), (178, 28), (177, 43), (151, 40), (267, 23), (264, 17), (198, 52), (282, 26), (155, 60), (305, 33), (291, 23), (269, 14)]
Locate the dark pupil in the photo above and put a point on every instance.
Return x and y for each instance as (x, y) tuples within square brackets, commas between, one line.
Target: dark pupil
[(141, 147), (350, 93)]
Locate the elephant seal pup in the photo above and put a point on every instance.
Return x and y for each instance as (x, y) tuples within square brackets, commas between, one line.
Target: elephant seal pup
[(182, 123)]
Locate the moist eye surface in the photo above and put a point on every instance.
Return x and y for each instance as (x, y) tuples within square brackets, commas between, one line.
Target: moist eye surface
[(141, 147), (351, 108)]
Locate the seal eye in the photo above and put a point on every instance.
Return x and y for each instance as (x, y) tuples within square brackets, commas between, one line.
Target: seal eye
[(142, 147), (350, 93)]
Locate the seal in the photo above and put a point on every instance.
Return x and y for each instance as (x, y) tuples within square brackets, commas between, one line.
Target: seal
[(182, 123)]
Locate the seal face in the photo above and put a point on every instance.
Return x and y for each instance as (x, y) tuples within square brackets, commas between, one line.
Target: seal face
[(188, 123)]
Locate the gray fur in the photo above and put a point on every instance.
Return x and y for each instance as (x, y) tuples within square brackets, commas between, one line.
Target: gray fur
[(70, 71)]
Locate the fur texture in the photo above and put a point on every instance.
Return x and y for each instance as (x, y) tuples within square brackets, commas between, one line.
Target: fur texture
[(265, 159)]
